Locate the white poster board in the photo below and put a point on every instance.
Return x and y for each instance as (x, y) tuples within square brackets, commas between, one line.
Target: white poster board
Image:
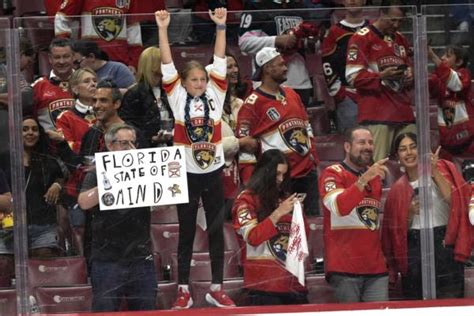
[(141, 177)]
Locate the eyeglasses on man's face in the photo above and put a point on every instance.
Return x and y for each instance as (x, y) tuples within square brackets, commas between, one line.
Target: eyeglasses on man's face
[(125, 142)]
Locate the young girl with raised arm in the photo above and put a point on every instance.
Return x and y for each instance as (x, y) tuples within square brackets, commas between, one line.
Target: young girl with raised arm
[(196, 97)]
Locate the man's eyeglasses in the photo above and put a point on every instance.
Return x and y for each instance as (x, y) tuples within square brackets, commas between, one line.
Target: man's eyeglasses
[(124, 143)]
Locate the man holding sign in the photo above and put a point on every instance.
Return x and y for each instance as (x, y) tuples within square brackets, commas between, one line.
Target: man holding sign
[(351, 192), (121, 259)]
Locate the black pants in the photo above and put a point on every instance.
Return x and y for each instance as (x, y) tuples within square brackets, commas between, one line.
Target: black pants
[(448, 272), (209, 187), (269, 298), (309, 185)]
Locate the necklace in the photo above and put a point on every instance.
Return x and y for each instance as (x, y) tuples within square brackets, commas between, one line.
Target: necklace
[(192, 132)]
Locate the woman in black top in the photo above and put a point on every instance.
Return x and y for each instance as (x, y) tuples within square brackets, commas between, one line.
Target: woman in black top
[(43, 186)]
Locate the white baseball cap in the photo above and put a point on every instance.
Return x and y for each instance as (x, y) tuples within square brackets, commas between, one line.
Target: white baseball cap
[(263, 56)]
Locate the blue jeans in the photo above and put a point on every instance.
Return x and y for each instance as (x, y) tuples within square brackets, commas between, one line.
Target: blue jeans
[(135, 280)]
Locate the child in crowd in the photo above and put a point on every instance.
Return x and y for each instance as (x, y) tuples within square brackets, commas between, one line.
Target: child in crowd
[(450, 83), (196, 98)]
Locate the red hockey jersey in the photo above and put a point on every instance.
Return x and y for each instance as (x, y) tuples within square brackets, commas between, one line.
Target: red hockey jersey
[(50, 98), (74, 124), (351, 223), (334, 51), (105, 22), (265, 246), (279, 122), (380, 101), (455, 112)]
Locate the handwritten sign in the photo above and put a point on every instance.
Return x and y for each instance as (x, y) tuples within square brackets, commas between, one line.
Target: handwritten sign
[(141, 177)]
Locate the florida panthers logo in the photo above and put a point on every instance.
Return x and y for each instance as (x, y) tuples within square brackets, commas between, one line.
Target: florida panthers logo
[(296, 136), (368, 212), (59, 106), (196, 132), (108, 22), (204, 154), (278, 245)]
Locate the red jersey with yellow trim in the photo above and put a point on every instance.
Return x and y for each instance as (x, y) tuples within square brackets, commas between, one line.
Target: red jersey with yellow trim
[(380, 101), (49, 100), (351, 223), (265, 246), (334, 51), (280, 122), (105, 22), (203, 156), (455, 111)]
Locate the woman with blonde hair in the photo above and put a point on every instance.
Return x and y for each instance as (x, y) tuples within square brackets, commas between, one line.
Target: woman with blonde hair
[(145, 104)]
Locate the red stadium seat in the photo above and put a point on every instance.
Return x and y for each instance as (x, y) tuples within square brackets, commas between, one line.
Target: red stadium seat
[(70, 299), (164, 214), (39, 30), (201, 266), (23, 7), (330, 147), (234, 288), (319, 291), (165, 237), (183, 54), (158, 267), (316, 243), (7, 302), (319, 120), (469, 282), (166, 295), (57, 271)]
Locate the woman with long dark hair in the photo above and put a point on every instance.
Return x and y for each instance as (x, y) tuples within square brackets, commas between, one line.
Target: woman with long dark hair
[(261, 217), (451, 228), (43, 186)]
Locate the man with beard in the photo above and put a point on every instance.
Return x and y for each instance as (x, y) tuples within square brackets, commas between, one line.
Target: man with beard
[(355, 265), (274, 114)]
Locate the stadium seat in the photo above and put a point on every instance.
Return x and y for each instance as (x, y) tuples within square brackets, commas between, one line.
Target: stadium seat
[(319, 291), (158, 266), (39, 30), (70, 299), (469, 282), (231, 243), (165, 237), (316, 244), (330, 147), (201, 266), (7, 302), (24, 7), (183, 54), (234, 288), (165, 214), (319, 120), (166, 295), (60, 271)]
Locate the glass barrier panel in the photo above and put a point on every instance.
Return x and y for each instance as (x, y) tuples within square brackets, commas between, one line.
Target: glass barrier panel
[(334, 68)]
